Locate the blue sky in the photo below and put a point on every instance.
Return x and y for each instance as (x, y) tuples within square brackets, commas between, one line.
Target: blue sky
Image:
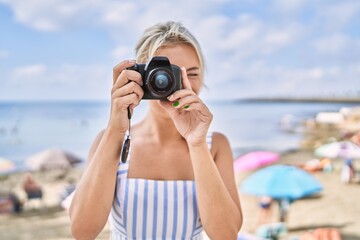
[(62, 49)]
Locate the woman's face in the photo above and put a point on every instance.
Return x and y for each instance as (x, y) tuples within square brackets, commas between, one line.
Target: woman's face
[(184, 55)]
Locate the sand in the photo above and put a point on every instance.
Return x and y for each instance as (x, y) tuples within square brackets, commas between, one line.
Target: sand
[(338, 206)]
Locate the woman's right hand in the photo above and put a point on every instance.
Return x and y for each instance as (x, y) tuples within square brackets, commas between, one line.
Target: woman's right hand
[(126, 92)]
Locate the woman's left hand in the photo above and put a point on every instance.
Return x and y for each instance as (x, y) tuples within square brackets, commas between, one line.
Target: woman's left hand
[(190, 115)]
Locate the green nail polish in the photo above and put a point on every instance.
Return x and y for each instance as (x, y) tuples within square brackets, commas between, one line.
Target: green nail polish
[(186, 107), (175, 104)]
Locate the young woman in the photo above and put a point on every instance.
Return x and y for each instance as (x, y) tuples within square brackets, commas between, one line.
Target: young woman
[(179, 178)]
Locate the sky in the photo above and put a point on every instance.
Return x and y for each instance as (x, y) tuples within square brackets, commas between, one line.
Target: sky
[(66, 49)]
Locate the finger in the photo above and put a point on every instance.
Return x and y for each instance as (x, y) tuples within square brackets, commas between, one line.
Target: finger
[(129, 88), (124, 102), (194, 106), (186, 101), (201, 108), (185, 80), (180, 94), (120, 67), (126, 76)]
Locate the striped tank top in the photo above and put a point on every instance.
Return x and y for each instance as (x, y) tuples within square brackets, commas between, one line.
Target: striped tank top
[(154, 209)]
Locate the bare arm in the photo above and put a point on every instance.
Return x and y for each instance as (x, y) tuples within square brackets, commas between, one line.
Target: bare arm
[(94, 195), (217, 195), (215, 184), (92, 201)]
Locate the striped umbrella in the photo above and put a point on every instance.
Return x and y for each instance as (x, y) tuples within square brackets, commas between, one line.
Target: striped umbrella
[(343, 149), (6, 166)]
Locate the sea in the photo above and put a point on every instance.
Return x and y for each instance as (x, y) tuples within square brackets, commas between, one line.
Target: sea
[(27, 128)]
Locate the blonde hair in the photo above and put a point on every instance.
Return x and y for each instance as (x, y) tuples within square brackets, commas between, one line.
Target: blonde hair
[(165, 34)]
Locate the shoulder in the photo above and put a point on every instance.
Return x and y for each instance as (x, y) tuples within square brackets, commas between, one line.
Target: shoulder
[(100, 133), (220, 144), (219, 138)]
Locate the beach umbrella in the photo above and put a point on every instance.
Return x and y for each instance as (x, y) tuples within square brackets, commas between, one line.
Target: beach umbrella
[(51, 159), (6, 166), (343, 149), (281, 182), (247, 236), (253, 160)]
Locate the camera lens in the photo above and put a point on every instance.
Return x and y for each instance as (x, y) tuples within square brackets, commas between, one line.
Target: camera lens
[(161, 81)]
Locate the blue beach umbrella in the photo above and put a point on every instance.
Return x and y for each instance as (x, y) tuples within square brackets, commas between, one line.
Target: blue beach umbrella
[(281, 182)]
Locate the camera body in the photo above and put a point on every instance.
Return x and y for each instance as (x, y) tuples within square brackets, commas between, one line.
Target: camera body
[(160, 78)]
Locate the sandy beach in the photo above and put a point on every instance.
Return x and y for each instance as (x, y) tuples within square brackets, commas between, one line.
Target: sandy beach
[(336, 207)]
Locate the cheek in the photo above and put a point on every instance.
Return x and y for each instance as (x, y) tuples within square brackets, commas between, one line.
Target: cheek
[(196, 85)]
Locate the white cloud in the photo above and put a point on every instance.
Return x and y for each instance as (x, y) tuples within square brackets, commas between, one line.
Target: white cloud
[(122, 52), (289, 6), (241, 36), (247, 46), (278, 38), (119, 13), (339, 14), (338, 46), (240, 47), (54, 15), (4, 54), (331, 44), (355, 68), (28, 13), (28, 72), (261, 79), (125, 20), (204, 31), (316, 73), (67, 80), (79, 75), (58, 15), (43, 24)]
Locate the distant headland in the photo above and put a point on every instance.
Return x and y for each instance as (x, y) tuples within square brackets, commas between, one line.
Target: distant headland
[(303, 99)]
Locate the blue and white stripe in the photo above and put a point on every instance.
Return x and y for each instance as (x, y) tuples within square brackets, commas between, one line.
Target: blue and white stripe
[(154, 209)]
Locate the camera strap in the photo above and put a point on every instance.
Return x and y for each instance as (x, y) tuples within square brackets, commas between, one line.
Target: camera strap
[(126, 145)]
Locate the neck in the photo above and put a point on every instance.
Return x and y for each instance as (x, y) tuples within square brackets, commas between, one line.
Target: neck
[(160, 127)]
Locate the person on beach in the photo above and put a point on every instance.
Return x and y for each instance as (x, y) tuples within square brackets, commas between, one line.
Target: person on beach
[(284, 205), (265, 210), (178, 180), (31, 187), (356, 138), (314, 165), (348, 169), (11, 203)]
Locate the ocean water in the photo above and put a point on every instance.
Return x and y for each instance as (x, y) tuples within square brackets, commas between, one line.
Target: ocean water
[(29, 127)]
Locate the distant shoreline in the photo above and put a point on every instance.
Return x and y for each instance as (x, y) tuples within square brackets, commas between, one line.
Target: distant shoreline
[(304, 100), (354, 100)]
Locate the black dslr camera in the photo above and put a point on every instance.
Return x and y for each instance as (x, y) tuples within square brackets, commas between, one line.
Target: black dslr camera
[(160, 78)]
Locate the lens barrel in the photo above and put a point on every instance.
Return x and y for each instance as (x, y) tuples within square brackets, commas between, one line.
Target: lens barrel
[(160, 82)]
